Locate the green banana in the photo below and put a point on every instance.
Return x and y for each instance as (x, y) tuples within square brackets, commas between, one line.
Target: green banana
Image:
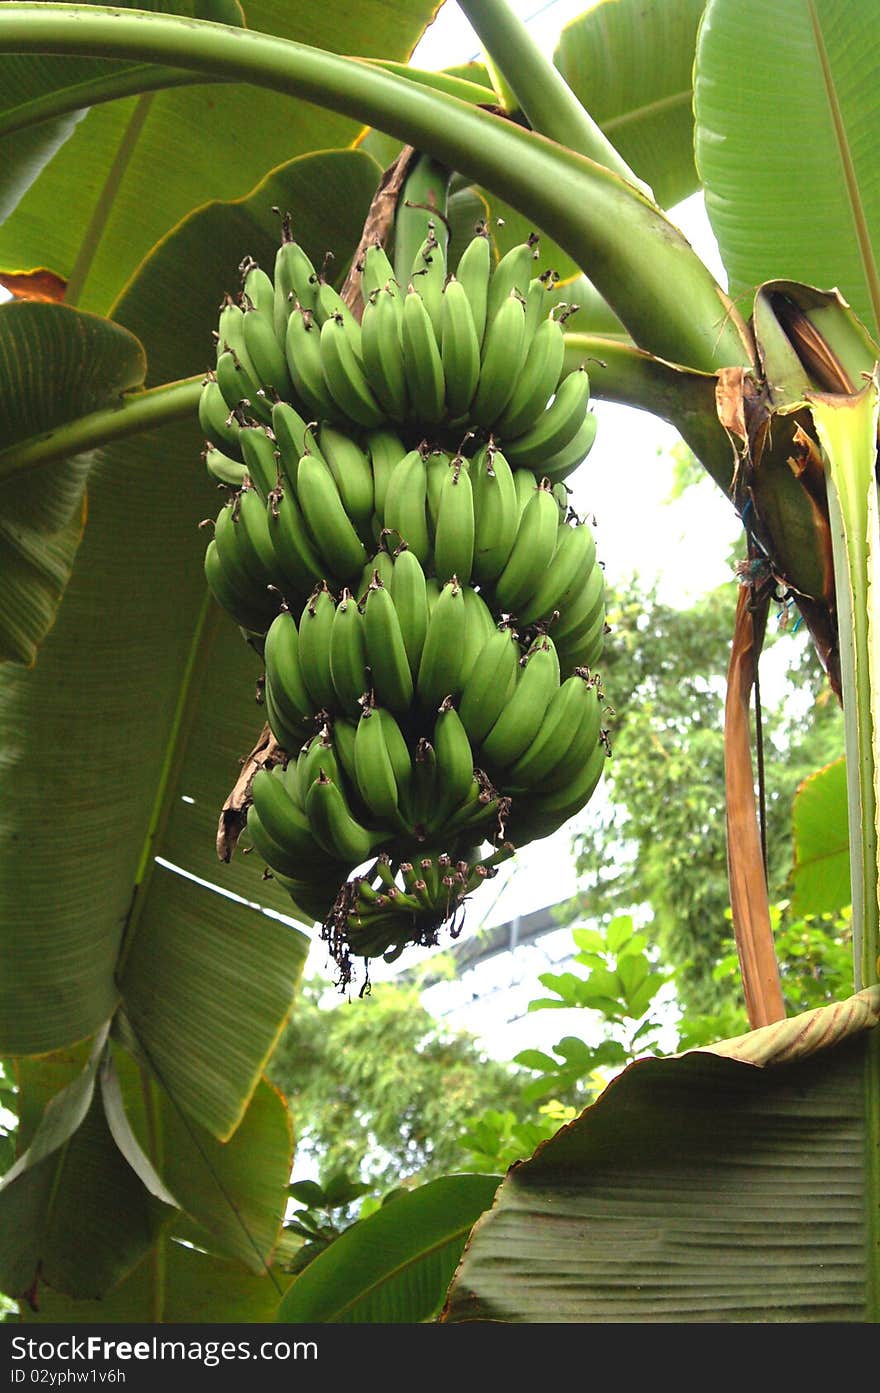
[(523, 714), (374, 771), (405, 499), (572, 561), (351, 470), (479, 626), (459, 349), (455, 762), (289, 733), (327, 520), (381, 564), (538, 815), (496, 512), (501, 362), (409, 592), (537, 381), (252, 517), (243, 564), (473, 272), (422, 362), (437, 464), (427, 275), (299, 563), (344, 376), (556, 427), (511, 276), (442, 653), (266, 354), (258, 450), (454, 535), (315, 628), (284, 671), (490, 683), (295, 278), (239, 390), (257, 290), (333, 825), (287, 826), (377, 270), (348, 654), (289, 430), (386, 450), (216, 421), (317, 756), (573, 714), (558, 467), (386, 650), (250, 612), (382, 347), (302, 349), (584, 647), (277, 856), (532, 550), (222, 469), (582, 608)]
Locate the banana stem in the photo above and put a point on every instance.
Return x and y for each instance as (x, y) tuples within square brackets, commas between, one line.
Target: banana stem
[(138, 411), (543, 95), (642, 265)]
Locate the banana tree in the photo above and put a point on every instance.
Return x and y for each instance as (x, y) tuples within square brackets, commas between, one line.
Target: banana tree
[(138, 1002)]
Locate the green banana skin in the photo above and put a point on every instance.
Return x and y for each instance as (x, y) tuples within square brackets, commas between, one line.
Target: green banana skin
[(582, 608), (249, 614), (428, 274), (374, 771), (479, 626), (253, 518), (383, 353), (289, 430), (299, 564), (459, 349), (405, 504), (560, 466), (501, 363), (267, 355), (496, 512), (329, 524), (455, 760), (540, 815), (344, 376), (334, 827), (302, 349), (556, 427), (352, 472), (442, 654), (490, 683), (317, 755), (348, 654), (386, 649), (283, 822), (377, 270), (538, 380), (258, 450), (241, 562), (295, 279), (585, 649), (437, 464), (573, 560), (239, 389), (422, 362), (573, 706), (511, 276), (222, 469), (521, 719), (454, 537), (284, 675), (386, 450), (315, 628), (532, 550), (216, 421), (473, 272), (409, 592)]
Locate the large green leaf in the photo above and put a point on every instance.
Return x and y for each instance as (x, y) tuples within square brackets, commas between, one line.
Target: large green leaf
[(787, 106), (394, 1266), (821, 843), (89, 364), (158, 156), (611, 58), (700, 1188)]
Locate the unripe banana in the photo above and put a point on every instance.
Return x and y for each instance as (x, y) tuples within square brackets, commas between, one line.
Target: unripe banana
[(296, 281), (422, 362), (501, 362), (490, 683), (340, 834), (566, 575), (556, 427), (267, 355), (539, 815), (386, 450), (521, 719), (293, 864), (428, 274), (511, 276), (455, 761), (437, 464), (538, 380), (284, 672), (289, 430), (473, 272), (258, 450), (479, 626), (386, 650), (454, 536), (351, 470), (459, 349), (287, 826), (374, 771), (584, 647), (442, 654), (348, 654), (582, 608), (327, 520), (241, 561), (382, 347), (558, 467), (250, 612), (239, 390), (316, 756), (382, 565), (315, 628), (496, 512), (257, 290), (299, 563), (216, 421), (252, 518), (574, 713), (343, 375), (377, 271), (409, 592), (223, 469), (302, 349), (405, 498), (288, 732), (532, 551)]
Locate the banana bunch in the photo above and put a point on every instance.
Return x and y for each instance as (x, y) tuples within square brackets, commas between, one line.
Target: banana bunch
[(397, 543), (476, 350)]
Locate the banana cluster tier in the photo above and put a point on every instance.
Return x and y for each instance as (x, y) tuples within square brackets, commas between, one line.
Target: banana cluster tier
[(398, 542)]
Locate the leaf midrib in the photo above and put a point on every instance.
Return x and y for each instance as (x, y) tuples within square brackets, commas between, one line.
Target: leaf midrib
[(424, 1253)]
